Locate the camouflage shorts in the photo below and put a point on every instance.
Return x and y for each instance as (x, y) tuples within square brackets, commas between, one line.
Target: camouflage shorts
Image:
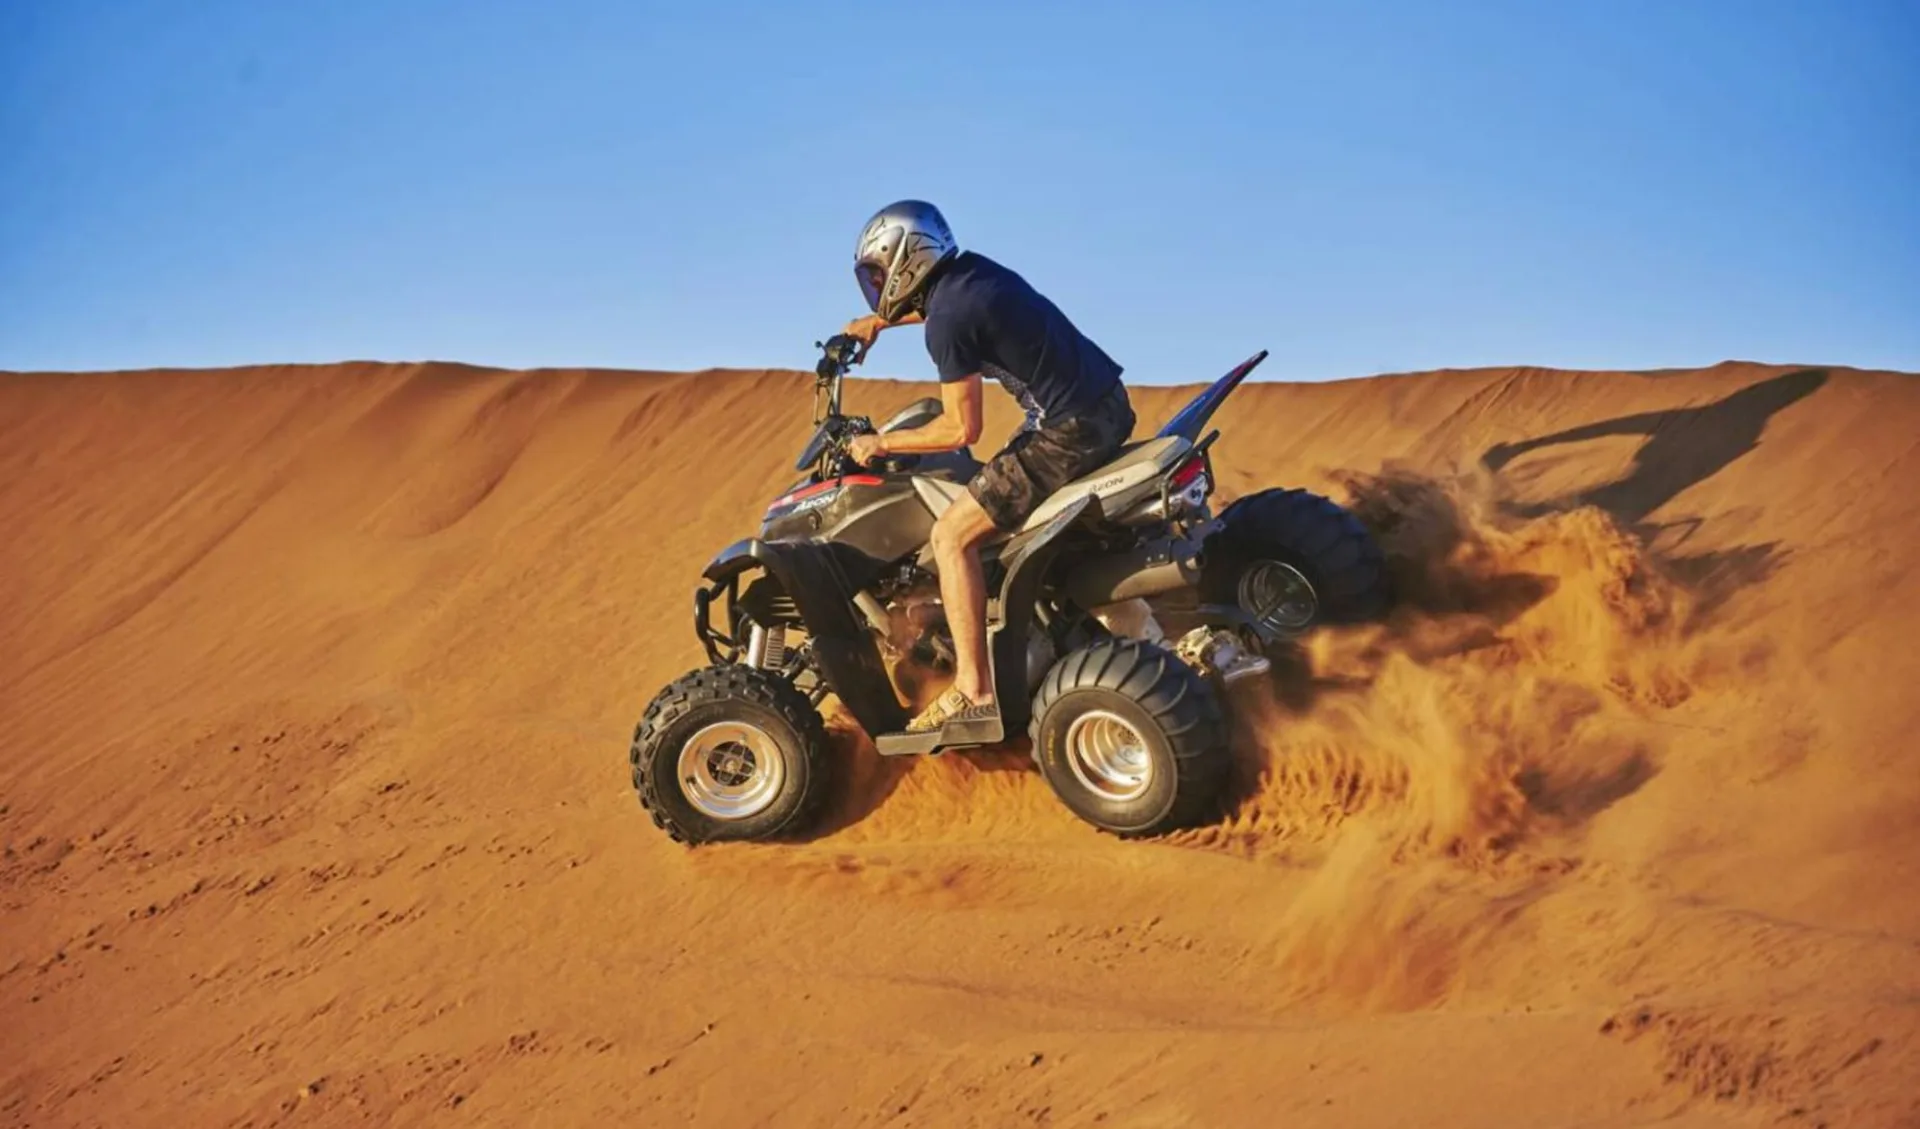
[(1040, 461)]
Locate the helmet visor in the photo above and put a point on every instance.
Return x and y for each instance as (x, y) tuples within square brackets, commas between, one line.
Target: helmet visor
[(871, 278)]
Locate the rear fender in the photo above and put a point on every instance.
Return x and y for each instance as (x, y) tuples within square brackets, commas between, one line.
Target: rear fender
[(821, 579), (1027, 557), (1191, 420)]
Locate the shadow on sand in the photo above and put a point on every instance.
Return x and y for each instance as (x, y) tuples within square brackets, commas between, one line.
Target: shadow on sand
[(1684, 447)]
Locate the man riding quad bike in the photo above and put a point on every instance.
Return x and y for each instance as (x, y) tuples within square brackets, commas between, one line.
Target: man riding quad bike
[(1027, 578), (982, 319)]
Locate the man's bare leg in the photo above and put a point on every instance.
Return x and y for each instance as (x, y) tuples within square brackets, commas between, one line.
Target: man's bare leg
[(963, 590)]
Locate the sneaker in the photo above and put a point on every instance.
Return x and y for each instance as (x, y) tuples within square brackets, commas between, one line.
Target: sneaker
[(951, 706)]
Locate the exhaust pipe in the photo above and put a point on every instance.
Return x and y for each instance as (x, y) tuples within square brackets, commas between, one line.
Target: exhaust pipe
[(1152, 569)]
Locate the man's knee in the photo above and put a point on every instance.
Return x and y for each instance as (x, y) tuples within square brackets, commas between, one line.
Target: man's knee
[(962, 527), (949, 537)]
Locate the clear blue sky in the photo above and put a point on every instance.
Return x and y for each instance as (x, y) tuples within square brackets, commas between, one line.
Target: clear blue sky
[(1359, 187)]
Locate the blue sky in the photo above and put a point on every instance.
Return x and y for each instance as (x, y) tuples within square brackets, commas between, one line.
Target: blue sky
[(1359, 187)]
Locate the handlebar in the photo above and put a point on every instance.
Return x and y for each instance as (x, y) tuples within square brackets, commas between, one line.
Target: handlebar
[(838, 354), (827, 454)]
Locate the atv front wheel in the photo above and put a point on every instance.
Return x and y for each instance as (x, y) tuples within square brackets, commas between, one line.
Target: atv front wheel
[(731, 752), (1130, 738), (1291, 560)]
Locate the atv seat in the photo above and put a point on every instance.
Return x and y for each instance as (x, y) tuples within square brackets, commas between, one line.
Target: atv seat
[(1137, 464)]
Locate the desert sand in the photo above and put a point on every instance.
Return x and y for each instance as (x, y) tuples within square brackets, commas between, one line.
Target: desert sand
[(317, 684)]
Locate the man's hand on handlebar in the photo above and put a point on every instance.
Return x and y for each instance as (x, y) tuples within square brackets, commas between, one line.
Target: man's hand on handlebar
[(864, 330), (863, 449)]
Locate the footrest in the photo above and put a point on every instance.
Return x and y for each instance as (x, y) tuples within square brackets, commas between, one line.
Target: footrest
[(907, 744), (955, 734)]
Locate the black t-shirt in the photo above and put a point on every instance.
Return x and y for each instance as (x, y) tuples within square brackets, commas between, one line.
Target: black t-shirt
[(983, 318)]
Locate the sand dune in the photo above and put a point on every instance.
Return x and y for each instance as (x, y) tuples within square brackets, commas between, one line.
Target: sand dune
[(317, 684)]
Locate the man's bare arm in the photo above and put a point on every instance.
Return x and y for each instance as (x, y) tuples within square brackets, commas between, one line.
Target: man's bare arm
[(959, 424), (867, 328)]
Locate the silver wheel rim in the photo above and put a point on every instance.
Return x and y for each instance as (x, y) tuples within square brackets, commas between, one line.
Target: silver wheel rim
[(1278, 596), (731, 770), (1108, 756)]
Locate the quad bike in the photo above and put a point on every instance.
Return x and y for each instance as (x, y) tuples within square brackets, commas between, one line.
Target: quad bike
[(839, 594)]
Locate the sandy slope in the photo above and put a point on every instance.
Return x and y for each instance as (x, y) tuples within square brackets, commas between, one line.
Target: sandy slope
[(317, 683)]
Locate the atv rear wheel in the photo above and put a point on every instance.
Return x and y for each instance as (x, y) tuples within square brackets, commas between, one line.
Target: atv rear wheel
[(1130, 738), (730, 752), (1292, 560)]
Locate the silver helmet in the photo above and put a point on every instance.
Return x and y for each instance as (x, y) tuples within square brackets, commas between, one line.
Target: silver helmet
[(897, 252)]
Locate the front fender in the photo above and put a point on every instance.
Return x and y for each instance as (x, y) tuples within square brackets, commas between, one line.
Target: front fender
[(733, 560), (822, 580)]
